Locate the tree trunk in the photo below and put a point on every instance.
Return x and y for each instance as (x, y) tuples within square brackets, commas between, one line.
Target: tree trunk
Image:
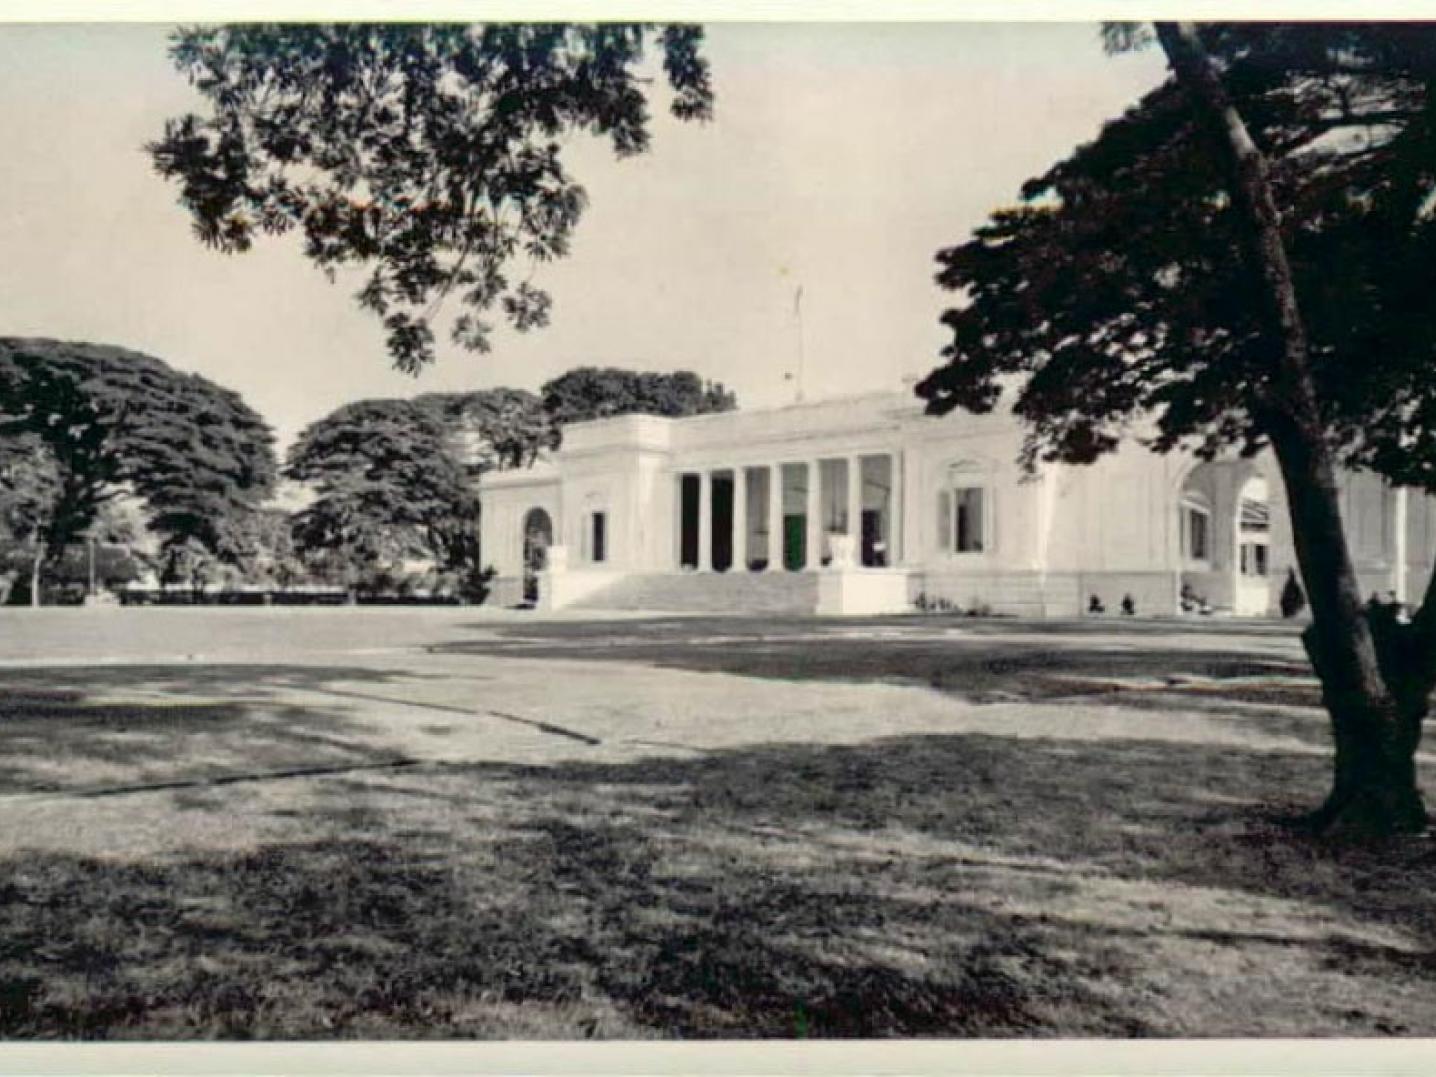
[(35, 564), (1358, 656), (1376, 731)]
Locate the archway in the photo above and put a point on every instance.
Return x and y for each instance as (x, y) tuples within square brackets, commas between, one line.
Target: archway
[(538, 537), (1224, 529), (1253, 544)]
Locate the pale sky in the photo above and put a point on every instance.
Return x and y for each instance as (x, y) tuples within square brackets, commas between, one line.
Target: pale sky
[(840, 158)]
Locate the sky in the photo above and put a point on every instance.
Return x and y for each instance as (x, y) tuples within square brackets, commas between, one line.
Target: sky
[(840, 159)]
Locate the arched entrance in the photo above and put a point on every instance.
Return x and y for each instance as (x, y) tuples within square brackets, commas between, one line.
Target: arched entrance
[(1224, 533), (538, 537), (1253, 543)]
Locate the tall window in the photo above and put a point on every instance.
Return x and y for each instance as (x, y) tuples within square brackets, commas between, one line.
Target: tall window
[(1254, 524), (1254, 556), (967, 524), (598, 537), (963, 513), (1197, 531)]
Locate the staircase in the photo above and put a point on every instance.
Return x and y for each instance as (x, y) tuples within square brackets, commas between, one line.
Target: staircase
[(708, 592)]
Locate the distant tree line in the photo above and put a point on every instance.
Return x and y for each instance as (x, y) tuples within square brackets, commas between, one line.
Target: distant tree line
[(396, 482), (115, 468)]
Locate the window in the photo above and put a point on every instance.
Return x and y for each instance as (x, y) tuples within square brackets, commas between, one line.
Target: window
[(1254, 562), (1254, 527), (1196, 532), (598, 537), (962, 519), (967, 527)]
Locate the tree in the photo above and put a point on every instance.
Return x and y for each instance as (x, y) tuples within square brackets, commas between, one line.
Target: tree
[(1109, 302), (597, 393), (492, 429), (388, 489), (29, 487), (114, 424), (427, 154), (270, 557)]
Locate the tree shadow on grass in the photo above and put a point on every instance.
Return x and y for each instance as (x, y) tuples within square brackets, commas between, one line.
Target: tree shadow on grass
[(86, 728), (972, 666), (1268, 687), (362, 939), (912, 886)]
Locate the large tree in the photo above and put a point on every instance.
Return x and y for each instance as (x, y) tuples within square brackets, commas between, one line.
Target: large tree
[(492, 429), (101, 423), (389, 488), (29, 489), (1244, 260), (600, 392), (429, 155)]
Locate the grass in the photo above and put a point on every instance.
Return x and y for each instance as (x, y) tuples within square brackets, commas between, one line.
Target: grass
[(967, 883)]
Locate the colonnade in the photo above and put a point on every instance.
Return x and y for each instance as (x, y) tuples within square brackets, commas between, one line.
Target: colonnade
[(811, 481)]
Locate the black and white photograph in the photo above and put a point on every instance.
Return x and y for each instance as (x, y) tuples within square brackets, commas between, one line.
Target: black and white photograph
[(525, 530)]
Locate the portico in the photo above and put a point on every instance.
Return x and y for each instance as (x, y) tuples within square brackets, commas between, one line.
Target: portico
[(784, 516)]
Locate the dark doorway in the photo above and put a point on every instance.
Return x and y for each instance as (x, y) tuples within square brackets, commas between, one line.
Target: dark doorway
[(795, 542), (872, 556), (538, 537), (722, 523), (688, 494)]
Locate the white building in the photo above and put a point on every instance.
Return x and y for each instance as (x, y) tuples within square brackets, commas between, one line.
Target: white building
[(866, 505)]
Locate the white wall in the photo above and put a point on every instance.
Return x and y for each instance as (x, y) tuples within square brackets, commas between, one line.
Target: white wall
[(506, 498), (1113, 526)]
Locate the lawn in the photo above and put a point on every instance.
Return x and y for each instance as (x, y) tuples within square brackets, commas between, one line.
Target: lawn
[(698, 828)]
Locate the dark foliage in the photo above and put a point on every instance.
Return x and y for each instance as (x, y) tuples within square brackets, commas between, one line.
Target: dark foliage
[(598, 393), (427, 154), (493, 428), (1113, 293), (389, 488), (1292, 600), (113, 422)]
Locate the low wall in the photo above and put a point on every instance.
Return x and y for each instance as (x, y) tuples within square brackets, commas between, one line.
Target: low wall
[(557, 590), (851, 592), (505, 591), (1014, 594), (1053, 594), (1154, 594)]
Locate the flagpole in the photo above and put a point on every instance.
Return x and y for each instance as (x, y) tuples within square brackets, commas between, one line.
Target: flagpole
[(798, 313)]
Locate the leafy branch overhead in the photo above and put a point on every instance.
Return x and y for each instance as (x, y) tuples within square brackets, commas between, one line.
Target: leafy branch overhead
[(1116, 294), (428, 155)]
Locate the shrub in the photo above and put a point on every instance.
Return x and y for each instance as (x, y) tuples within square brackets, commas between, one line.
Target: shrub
[(1293, 599)]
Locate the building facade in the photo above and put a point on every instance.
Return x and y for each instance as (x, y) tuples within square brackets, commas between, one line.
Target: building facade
[(864, 505)]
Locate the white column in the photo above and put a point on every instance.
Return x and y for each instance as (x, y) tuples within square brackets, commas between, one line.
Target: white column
[(897, 507), (740, 519), (705, 521), (775, 518), (815, 523), (1398, 545), (855, 506), (677, 546)]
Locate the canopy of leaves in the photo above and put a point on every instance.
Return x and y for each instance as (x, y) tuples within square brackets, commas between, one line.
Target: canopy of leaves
[(29, 487), (1114, 297), (388, 486), (427, 153), (597, 393), (114, 422), (492, 429)]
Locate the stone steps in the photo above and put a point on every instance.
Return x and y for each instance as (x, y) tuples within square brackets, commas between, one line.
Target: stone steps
[(708, 592)]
